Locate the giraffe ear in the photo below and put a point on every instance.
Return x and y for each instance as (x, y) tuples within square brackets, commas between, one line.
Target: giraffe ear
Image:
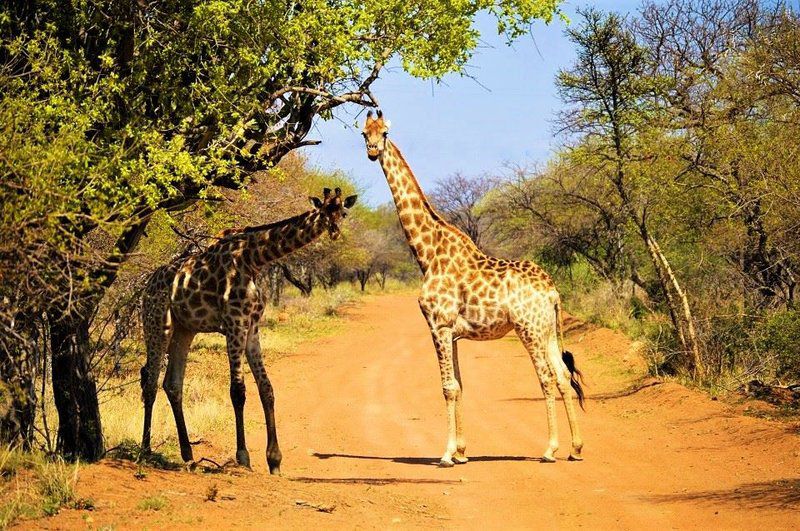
[(350, 201), (316, 201), (387, 123)]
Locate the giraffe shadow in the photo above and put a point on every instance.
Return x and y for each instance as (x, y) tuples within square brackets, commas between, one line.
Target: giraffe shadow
[(628, 391), (426, 461)]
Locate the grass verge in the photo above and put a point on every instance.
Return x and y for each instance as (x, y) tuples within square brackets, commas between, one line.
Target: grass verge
[(33, 485)]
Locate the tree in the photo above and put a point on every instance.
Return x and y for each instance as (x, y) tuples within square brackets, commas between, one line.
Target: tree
[(702, 48), (380, 243), (132, 108), (614, 99), (458, 198), (572, 214)]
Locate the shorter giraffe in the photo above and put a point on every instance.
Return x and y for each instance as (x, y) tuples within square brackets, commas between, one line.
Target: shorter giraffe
[(216, 291)]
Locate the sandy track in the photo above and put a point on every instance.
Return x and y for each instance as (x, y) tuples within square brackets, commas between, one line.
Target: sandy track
[(361, 421)]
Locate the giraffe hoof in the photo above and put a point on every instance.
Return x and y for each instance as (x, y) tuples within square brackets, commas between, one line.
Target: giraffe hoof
[(575, 457), (548, 459), (460, 459), (275, 470), (444, 463), (243, 458)]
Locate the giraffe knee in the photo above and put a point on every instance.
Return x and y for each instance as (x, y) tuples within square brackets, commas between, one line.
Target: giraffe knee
[(451, 391), (174, 392)]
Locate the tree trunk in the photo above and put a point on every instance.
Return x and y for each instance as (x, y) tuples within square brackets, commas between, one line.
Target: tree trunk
[(275, 285), (363, 277), (382, 277), (678, 304), (80, 433), (769, 275), (18, 372)]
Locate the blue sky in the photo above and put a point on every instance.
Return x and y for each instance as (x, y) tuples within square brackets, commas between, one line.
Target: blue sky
[(458, 125)]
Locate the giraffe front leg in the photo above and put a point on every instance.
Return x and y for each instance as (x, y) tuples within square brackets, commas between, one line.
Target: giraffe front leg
[(267, 395), (460, 456), (443, 341), (236, 339)]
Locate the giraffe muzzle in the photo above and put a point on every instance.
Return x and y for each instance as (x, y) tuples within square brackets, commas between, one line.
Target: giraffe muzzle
[(334, 232)]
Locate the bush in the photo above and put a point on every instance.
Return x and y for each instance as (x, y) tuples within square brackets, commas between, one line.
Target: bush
[(780, 336)]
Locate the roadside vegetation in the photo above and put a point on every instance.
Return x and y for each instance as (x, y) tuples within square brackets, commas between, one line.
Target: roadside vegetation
[(33, 485)]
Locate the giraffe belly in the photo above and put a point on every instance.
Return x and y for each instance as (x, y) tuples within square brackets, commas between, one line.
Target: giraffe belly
[(203, 320), (481, 330)]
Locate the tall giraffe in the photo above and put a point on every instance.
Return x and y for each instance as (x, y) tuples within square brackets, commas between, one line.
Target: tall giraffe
[(466, 294), (216, 291)]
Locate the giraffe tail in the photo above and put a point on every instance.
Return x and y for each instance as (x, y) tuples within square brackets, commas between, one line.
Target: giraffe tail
[(575, 377)]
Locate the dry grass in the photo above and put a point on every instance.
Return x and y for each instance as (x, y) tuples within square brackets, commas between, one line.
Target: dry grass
[(33, 485), (152, 503)]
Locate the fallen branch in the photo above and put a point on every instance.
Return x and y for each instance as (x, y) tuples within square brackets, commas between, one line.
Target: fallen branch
[(321, 507)]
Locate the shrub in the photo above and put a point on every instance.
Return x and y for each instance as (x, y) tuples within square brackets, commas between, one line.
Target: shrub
[(780, 335)]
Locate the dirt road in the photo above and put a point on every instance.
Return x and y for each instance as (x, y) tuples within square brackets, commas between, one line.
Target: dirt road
[(361, 421)]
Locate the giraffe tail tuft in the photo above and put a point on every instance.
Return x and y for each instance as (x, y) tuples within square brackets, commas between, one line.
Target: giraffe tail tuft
[(575, 377)]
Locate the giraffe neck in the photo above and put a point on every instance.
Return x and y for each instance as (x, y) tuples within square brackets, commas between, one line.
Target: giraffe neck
[(418, 218), (267, 243)]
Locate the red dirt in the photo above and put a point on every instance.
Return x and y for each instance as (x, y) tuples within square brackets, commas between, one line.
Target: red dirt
[(361, 421)]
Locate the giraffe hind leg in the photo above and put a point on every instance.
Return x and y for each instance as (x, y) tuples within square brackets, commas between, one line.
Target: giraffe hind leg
[(157, 334), (460, 457), (537, 349), (564, 384), (173, 386)]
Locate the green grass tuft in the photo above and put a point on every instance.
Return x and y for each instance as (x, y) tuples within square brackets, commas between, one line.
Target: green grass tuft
[(152, 503)]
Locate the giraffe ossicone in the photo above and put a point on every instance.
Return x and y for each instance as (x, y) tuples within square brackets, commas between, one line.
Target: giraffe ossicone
[(216, 291), (466, 294)]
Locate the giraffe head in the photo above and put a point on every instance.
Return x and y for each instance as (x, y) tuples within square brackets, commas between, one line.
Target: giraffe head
[(375, 133), (333, 208)]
